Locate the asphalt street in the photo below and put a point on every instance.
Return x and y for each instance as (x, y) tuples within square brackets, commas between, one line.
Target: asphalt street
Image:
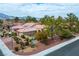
[(1, 54), (68, 50)]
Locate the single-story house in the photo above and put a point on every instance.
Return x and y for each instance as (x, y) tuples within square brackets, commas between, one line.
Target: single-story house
[(28, 28)]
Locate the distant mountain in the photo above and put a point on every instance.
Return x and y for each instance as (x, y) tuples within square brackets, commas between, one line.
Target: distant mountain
[(4, 16)]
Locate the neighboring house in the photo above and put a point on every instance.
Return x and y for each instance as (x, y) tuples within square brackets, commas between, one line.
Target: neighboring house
[(28, 28)]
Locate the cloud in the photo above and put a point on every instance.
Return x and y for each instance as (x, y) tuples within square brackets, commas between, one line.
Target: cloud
[(38, 9)]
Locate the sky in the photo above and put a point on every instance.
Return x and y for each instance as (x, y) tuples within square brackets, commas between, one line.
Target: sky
[(39, 9)]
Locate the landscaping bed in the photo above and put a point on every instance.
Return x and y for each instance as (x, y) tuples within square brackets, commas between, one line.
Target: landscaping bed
[(39, 46)]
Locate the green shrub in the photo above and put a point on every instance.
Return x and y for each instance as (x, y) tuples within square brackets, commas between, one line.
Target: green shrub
[(42, 36), (23, 36), (38, 35), (16, 48), (27, 41), (65, 33), (22, 45), (16, 39), (14, 34)]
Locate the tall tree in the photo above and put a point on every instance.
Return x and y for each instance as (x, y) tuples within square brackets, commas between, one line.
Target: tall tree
[(30, 19), (16, 19), (72, 19), (1, 21), (47, 20)]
